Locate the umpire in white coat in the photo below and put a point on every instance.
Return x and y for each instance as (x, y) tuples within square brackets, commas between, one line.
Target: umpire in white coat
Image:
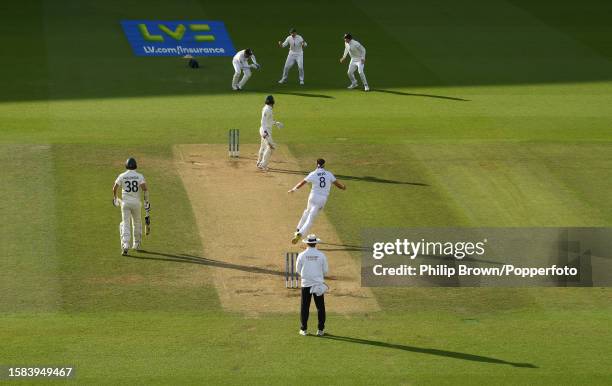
[(312, 267)]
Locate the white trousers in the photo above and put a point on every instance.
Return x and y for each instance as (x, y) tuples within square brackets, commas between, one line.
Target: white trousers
[(291, 60), (239, 68), (265, 151), (315, 204), (356, 64), (130, 220)]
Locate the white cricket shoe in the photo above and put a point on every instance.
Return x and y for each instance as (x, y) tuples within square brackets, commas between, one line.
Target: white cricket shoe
[(366, 88), (136, 246), (303, 332), (352, 86), (282, 81), (301, 82), (320, 332), (124, 252)]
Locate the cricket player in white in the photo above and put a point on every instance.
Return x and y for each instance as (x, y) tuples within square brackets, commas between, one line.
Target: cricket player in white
[(241, 65), (265, 132), (357, 53), (321, 181), (296, 54), (312, 267), (131, 183)]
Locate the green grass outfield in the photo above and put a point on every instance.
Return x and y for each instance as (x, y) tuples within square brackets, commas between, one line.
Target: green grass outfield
[(492, 113)]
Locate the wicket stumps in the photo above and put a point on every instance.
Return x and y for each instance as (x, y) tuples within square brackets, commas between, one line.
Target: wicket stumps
[(291, 276), (234, 143)]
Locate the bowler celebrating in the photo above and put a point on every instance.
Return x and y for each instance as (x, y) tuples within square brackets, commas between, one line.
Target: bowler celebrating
[(241, 65), (358, 53), (131, 183), (265, 132), (296, 54), (321, 181)]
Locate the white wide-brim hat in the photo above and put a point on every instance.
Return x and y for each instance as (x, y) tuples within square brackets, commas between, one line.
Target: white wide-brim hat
[(311, 239)]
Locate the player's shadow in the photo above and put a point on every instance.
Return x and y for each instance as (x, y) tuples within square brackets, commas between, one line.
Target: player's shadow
[(421, 95), (351, 178), (341, 247), (303, 94), (430, 351), (190, 259)]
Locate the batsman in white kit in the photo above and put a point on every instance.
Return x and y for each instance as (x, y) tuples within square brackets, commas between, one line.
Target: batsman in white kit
[(265, 132), (296, 45), (131, 183), (321, 181), (242, 66), (357, 53)]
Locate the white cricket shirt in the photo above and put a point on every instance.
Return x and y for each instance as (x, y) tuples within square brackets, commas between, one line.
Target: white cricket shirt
[(295, 44), (354, 49), (241, 57), (267, 121), (130, 182), (312, 266), (321, 181)]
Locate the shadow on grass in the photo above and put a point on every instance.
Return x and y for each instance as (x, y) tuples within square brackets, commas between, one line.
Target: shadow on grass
[(351, 178), (421, 95), (190, 259), (429, 351), (303, 94), (341, 247)]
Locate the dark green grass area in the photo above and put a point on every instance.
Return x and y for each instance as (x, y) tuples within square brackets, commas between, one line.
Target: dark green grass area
[(80, 45), (492, 113)]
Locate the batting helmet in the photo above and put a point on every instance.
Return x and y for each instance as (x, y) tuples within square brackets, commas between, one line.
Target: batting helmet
[(269, 100), (348, 36), (248, 52), (131, 163)]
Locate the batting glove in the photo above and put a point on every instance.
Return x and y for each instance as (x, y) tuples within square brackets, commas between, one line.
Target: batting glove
[(279, 125), (255, 66)]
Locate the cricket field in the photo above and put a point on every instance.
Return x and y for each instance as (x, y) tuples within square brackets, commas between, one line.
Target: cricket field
[(483, 113)]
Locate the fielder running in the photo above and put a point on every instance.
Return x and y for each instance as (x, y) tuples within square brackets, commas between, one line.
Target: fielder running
[(265, 132), (312, 267), (296, 54), (357, 53), (321, 181), (131, 183), (241, 65)]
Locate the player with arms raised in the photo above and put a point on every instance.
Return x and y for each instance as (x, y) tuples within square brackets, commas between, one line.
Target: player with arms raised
[(131, 183), (321, 181)]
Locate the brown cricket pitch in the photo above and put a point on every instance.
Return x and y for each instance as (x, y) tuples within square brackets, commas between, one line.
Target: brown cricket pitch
[(246, 219)]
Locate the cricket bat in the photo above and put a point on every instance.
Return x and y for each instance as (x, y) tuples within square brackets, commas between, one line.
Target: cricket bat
[(147, 222)]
